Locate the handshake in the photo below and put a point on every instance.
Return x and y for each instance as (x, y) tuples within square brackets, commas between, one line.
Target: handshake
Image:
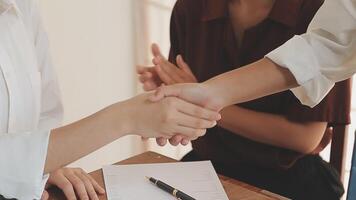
[(188, 108)]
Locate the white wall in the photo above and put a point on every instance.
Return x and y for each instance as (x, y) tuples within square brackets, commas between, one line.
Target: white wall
[(92, 44), (152, 25)]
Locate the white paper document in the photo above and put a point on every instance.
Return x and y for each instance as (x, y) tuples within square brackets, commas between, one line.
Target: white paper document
[(197, 179)]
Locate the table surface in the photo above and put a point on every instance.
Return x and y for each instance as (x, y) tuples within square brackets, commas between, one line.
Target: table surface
[(234, 189)]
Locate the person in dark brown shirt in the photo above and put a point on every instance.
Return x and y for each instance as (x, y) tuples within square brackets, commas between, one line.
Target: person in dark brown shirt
[(272, 142)]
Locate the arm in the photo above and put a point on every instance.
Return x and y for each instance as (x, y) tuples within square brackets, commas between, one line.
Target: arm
[(275, 79), (273, 129), (133, 116), (215, 95), (315, 61), (48, 151), (261, 127), (99, 129)]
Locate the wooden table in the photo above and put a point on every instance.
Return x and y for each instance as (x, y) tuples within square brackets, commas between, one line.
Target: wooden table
[(235, 190)]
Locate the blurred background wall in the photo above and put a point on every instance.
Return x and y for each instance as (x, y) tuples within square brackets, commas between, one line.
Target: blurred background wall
[(95, 46), (92, 44)]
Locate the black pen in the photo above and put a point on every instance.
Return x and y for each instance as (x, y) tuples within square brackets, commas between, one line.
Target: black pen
[(176, 193)]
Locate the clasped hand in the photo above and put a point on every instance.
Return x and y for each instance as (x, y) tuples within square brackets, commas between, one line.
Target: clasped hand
[(169, 80)]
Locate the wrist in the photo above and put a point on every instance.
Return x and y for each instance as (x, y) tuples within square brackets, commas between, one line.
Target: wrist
[(118, 116), (213, 94)]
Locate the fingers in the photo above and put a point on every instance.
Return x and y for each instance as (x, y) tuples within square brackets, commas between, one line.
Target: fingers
[(161, 141), (78, 185), (192, 122), (165, 91), (176, 140), (45, 195), (148, 77), (191, 133), (66, 186), (185, 142), (184, 66), (169, 73), (197, 111), (156, 50), (149, 86), (96, 185), (164, 76), (145, 77), (141, 69), (88, 185)]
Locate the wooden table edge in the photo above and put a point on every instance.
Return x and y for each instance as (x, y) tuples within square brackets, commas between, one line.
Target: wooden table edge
[(151, 157)]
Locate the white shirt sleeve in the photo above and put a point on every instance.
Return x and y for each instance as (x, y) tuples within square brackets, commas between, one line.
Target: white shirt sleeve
[(51, 109), (22, 164), (325, 54), (23, 154)]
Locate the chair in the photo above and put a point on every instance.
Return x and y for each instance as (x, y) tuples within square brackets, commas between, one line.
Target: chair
[(339, 137), (338, 149), (351, 194)]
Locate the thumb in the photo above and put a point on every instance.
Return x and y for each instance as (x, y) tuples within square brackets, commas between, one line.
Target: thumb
[(165, 91)]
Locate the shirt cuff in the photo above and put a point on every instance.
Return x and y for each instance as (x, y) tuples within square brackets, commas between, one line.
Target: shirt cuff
[(313, 85), (23, 158), (314, 91), (289, 56)]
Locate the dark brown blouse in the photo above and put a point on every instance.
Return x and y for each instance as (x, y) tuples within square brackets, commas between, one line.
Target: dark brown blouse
[(202, 33)]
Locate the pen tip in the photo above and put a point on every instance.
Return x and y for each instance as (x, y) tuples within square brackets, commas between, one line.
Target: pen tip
[(148, 178)]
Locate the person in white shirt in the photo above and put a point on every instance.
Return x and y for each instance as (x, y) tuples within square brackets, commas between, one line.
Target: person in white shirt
[(308, 64), (32, 149)]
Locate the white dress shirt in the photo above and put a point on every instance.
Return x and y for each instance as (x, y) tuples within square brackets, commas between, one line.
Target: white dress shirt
[(29, 100), (325, 54)]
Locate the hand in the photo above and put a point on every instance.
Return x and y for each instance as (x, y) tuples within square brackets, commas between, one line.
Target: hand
[(149, 78), (196, 93), (148, 75), (74, 182), (164, 71), (167, 73), (168, 117)]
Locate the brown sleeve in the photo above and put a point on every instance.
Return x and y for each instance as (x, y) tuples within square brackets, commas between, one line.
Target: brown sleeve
[(334, 109), (308, 10), (177, 31)]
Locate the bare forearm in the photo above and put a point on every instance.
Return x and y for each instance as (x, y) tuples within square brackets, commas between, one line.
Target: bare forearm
[(273, 129), (76, 140), (253, 81)]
